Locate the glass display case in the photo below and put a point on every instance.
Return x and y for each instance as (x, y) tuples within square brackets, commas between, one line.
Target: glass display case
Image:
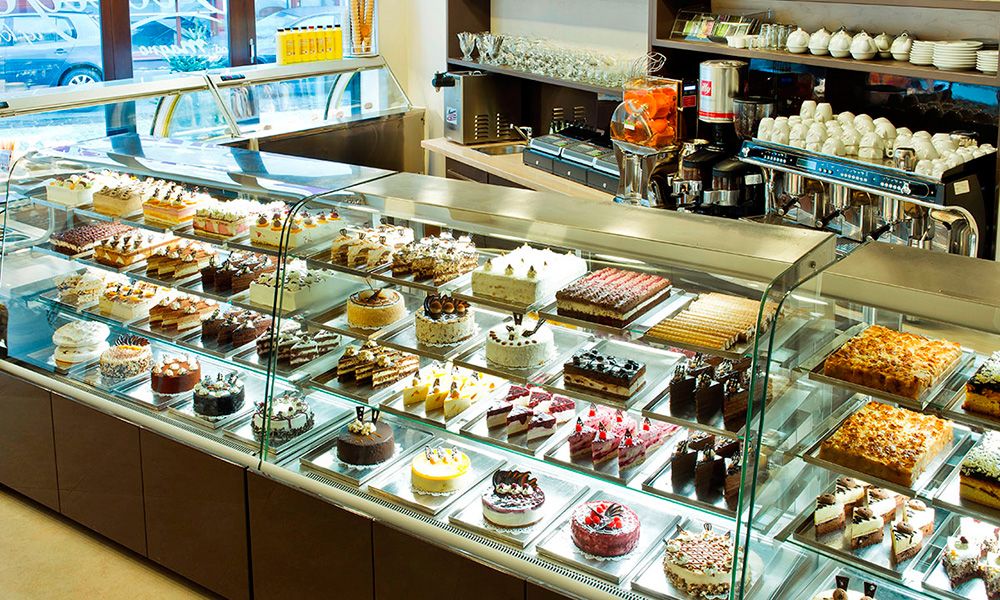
[(881, 430), (564, 388), (238, 106)]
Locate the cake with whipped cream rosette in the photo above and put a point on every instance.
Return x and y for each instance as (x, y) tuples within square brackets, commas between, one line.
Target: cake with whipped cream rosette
[(77, 189), (520, 344), (605, 528), (366, 441), (219, 396), (301, 288), (513, 500), (700, 563), (291, 416), (444, 320), (526, 275)]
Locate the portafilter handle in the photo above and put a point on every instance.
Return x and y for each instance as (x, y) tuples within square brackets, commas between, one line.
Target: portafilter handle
[(904, 159)]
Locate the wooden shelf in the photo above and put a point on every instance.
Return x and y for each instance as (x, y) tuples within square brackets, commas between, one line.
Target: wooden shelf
[(889, 67), (576, 85)]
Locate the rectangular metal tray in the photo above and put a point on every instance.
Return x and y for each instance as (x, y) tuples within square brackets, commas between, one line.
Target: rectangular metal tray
[(661, 484), (335, 320), (394, 404), (949, 497), (936, 578), (876, 557), (395, 485), (460, 284), (672, 309), (250, 359), (651, 580), (195, 286), (558, 544), (659, 368), (814, 366), (405, 338), (327, 381), (558, 453), (551, 312), (185, 410), (200, 345), (923, 482), (91, 375), (346, 285), (567, 343), (323, 459), (143, 327), (953, 408), (143, 395), (325, 415), (560, 496)]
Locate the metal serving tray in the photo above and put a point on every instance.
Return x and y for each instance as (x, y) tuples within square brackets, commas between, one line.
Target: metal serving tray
[(139, 272), (558, 543), (324, 459), (558, 453), (396, 485), (936, 579), (91, 375), (249, 358), (567, 343), (405, 338), (661, 484), (44, 358), (560, 495), (924, 480), (346, 285), (201, 345), (143, 395), (195, 286), (350, 389), (335, 320), (459, 285), (877, 557), (394, 404), (659, 368), (814, 366), (551, 312), (185, 410), (949, 495), (652, 580), (167, 335), (325, 415), (953, 408)]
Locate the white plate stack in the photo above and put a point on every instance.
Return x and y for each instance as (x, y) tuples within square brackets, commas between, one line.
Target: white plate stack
[(986, 61), (922, 52), (956, 56)]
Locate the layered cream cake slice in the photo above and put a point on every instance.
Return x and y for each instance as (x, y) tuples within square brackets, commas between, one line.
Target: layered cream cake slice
[(829, 514), (979, 475), (907, 540), (866, 528), (982, 392)]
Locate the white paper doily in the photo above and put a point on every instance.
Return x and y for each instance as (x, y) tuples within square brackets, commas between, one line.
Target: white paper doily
[(348, 465), (436, 494)]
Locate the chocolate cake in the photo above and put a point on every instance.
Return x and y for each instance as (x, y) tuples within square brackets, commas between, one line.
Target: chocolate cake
[(592, 370), (236, 273), (366, 442), (220, 396), (86, 237), (709, 474), (736, 394), (682, 463), (609, 296), (175, 375), (682, 386), (708, 398)]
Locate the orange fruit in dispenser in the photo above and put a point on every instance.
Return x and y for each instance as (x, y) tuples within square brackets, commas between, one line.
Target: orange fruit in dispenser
[(663, 102), (641, 101), (657, 126)]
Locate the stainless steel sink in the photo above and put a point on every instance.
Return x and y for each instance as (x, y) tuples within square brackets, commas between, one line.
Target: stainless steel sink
[(502, 150)]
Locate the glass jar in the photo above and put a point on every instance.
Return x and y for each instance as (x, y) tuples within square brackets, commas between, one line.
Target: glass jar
[(650, 113), (360, 24)]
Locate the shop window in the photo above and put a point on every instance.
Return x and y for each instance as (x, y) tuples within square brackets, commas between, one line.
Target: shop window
[(43, 47), (178, 36), (273, 15)]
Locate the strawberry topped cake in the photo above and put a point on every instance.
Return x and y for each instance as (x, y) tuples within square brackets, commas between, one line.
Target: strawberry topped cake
[(605, 528)]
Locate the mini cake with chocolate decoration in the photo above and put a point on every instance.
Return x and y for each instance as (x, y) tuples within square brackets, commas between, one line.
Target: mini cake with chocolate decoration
[(700, 563), (374, 309), (514, 500), (592, 370), (130, 356), (520, 344), (175, 375), (366, 442), (604, 528), (439, 470), (291, 416), (444, 320), (842, 592), (220, 396)]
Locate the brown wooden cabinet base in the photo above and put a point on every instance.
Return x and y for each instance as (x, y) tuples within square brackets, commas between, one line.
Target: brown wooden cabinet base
[(196, 515), (303, 547), (536, 592), (100, 475), (27, 450), (406, 567)]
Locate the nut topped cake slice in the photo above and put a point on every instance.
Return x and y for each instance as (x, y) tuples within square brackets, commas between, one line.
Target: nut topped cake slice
[(609, 296), (904, 364), (891, 443), (700, 563)]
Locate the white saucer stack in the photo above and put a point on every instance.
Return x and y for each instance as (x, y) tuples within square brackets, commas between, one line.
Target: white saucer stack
[(986, 61), (922, 52), (956, 56)]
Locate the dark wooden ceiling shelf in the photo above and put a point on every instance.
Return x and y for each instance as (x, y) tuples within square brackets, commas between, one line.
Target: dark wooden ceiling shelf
[(984, 5), (566, 83), (889, 67)]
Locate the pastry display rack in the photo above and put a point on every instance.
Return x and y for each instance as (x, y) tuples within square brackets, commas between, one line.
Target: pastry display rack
[(852, 398), (374, 273)]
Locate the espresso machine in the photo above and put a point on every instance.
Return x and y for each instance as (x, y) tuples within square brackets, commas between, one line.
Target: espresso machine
[(880, 200)]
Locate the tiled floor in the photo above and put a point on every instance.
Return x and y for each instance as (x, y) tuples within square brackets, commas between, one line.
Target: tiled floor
[(43, 556)]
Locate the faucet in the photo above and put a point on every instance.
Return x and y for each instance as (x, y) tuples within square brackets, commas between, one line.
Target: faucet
[(522, 131)]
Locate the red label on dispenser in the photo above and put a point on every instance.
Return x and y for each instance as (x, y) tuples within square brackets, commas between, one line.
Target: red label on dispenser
[(706, 87)]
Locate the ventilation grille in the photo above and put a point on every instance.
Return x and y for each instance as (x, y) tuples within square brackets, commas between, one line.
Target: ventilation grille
[(555, 568), (580, 113), (503, 127), (482, 124)]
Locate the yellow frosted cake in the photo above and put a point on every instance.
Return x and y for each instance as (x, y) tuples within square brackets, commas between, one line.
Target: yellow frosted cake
[(439, 470)]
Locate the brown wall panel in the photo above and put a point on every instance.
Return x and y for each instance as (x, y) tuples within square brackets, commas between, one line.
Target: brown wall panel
[(536, 592), (196, 515), (100, 477), (303, 547), (27, 451), (406, 567)]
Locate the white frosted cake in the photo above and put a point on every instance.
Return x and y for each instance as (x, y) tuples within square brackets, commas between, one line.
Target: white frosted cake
[(520, 344), (75, 190), (301, 288), (525, 275)]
